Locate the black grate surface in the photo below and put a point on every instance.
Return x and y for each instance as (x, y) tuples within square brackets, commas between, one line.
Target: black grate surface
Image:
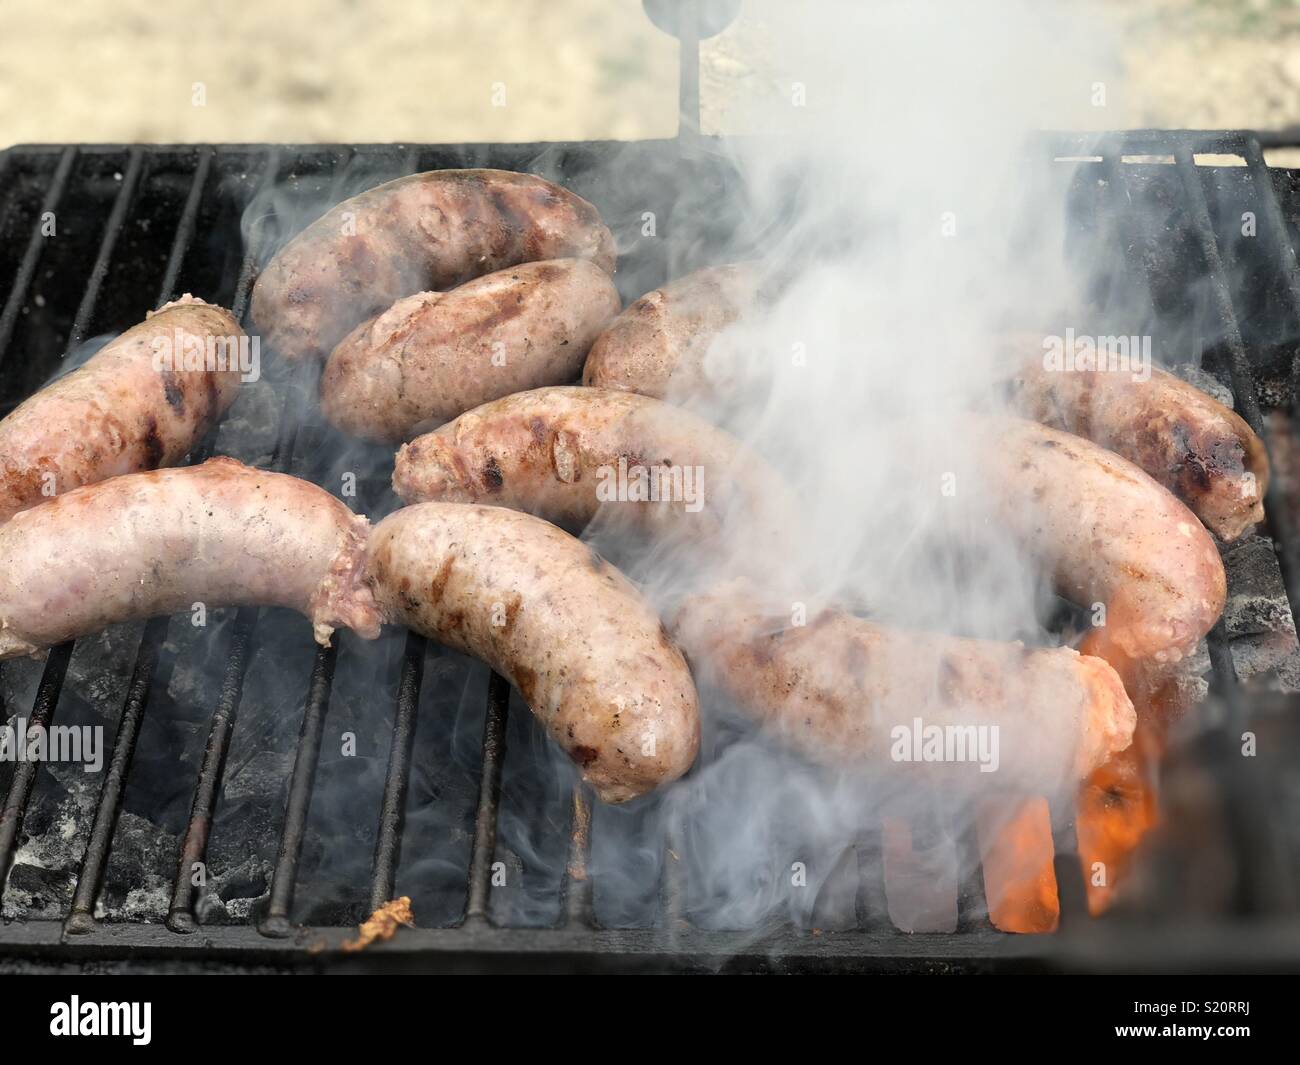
[(233, 730)]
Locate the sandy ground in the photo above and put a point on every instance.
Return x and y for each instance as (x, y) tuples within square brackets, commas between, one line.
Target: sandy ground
[(465, 70)]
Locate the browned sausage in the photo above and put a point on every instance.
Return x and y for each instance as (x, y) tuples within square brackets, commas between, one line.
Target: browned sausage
[(1192, 444), (567, 453), (848, 692), (577, 640), (130, 407), (432, 356), (221, 534), (1108, 532), (426, 231), (666, 335)]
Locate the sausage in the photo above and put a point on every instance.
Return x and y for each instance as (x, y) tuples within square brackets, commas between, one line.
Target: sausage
[(568, 630), (667, 333), (130, 407), (562, 452), (1107, 531), (1192, 444), (426, 231), (432, 356), (847, 692), (221, 534)]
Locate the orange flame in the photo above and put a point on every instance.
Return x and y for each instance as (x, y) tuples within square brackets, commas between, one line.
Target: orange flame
[(1116, 807)]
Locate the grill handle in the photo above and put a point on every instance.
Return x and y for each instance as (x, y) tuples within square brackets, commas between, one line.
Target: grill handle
[(690, 21)]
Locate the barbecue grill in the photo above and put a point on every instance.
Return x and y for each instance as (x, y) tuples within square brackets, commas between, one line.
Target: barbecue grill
[(216, 837)]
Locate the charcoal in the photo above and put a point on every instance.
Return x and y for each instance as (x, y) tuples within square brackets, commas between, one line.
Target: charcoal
[(1268, 661), (264, 778), (1257, 601), (38, 889), (1205, 381), (137, 879)]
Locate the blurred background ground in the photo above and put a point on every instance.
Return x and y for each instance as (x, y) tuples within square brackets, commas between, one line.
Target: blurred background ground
[(466, 70)]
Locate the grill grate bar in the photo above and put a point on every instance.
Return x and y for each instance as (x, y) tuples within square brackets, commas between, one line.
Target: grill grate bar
[(256, 243), (672, 890), (186, 226), (1238, 789), (388, 843), (20, 790), (81, 915), (32, 255), (397, 781), (1279, 513), (112, 228), (306, 757), (1243, 384), (277, 922), (1067, 866), (489, 795), (56, 666), (578, 904), (181, 916), (1276, 225)]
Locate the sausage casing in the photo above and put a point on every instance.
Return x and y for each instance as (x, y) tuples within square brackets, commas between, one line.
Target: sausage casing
[(564, 453), (666, 335), (1190, 442), (1109, 533), (426, 231), (120, 412), (434, 355), (567, 629), (845, 691), (220, 534)]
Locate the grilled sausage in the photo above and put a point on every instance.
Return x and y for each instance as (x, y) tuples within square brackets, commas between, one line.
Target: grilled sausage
[(561, 452), (847, 692), (585, 651), (426, 231), (132, 406), (666, 335), (221, 534), (1192, 444), (432, 356), (1109, 533)]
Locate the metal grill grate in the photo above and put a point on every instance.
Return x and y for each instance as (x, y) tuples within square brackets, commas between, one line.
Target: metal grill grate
[(141, 225)]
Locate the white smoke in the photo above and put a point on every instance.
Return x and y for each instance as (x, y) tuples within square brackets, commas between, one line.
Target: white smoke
[(910, 212)]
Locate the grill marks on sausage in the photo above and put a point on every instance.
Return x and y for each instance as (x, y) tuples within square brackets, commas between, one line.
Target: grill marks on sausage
[(152, 442), (173, 392), (584, 756), (513, 607), (439, 583), (1196, 460), (506, 307), (492, 478), (510, 225), (526, 681)]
